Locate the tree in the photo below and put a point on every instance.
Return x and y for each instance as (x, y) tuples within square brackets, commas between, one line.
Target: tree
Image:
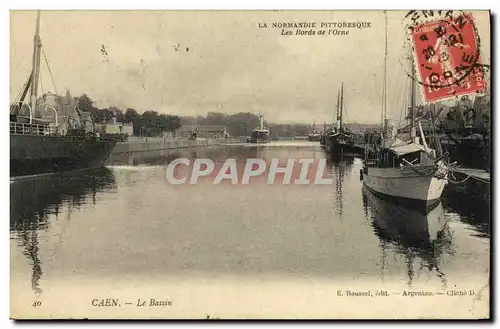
[(172, 122), (86, 104), (130, 115), (102, 115)]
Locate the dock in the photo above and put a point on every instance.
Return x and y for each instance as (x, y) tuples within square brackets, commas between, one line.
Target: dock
[(157, 144), (474, 183), (478, 174)]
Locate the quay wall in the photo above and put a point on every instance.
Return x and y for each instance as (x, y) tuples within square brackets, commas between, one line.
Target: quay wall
[(157, 145)]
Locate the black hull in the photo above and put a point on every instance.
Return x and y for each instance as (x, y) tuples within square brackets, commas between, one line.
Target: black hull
[(31, 155), (322, 141), (341, 149), (260, 136), (340, 144), (260, 141)]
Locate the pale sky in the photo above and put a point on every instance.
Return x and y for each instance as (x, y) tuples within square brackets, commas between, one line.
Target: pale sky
[(232, 65)]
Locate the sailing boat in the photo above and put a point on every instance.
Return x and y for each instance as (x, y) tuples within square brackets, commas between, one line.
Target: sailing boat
[(339, 141), (404, 168), (314, 135), (261, 133), (63, 142)]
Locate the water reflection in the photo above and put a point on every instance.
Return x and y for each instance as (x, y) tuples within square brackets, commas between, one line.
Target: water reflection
[(164, 157), (419, 237), (339, 168), (34, 201), (330, 230), (472, 210)]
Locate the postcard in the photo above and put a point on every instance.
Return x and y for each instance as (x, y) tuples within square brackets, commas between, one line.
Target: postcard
[(250, 164)]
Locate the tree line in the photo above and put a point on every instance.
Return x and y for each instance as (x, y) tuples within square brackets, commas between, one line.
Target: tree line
[(151, 123), (242, 124)]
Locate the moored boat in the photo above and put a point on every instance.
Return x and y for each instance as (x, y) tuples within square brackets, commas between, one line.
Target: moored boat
[(62, 140), (407, 171), (261, 133), (314, 134), (401, 167), (314, 137), (339, 141)]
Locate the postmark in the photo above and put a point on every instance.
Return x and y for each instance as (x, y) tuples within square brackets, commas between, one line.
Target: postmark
[(447, 55)]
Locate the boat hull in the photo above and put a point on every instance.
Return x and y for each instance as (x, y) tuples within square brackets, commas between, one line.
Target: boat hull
[(260, 137), (30, 155), (260, 141), (340, 149), (339, 144), (261, 134), (405, 184), (322, 141)]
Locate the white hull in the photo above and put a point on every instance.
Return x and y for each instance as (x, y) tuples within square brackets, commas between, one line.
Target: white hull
[(404, 183)]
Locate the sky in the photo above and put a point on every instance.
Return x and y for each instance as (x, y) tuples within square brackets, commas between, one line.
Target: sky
[(194, 62)]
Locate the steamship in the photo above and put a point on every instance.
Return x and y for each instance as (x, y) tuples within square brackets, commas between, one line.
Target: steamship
[(49, 134), (261, 133)]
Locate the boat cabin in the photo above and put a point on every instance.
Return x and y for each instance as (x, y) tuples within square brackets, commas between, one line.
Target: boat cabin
[(401, 155)]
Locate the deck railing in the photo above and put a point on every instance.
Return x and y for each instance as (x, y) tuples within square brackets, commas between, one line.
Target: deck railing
[(17, 128)]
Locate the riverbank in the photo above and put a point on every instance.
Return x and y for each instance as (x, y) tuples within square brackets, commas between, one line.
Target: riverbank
[(156, 144), (137, 144), (143, 229)]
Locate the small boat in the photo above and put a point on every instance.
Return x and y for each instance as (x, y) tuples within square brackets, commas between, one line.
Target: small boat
[(339, 140), (261, 134), (401, 167), (314, 134), (314, 137)]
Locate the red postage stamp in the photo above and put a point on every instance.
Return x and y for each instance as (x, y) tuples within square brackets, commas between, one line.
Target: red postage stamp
[(448, 58)]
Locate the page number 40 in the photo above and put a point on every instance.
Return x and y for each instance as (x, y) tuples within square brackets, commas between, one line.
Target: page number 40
[(37, 304)]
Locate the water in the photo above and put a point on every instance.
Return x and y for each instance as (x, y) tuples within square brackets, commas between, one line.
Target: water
[(104, 231)]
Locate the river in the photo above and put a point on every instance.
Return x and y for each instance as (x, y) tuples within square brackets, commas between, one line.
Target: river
[(123, 229)]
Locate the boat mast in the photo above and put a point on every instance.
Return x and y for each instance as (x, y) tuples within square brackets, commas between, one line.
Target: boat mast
[(338, 104), (384, 85), (36, 66), (412, 101), (341, 105)]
